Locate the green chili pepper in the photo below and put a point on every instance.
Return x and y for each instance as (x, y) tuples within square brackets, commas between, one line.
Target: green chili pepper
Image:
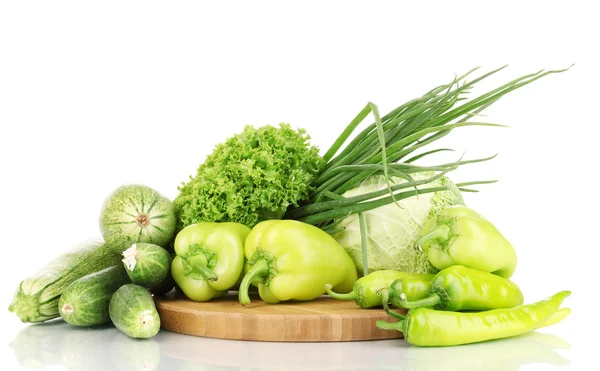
[(460, 236), (364, 292), (289, 259), (429, 327), (460, 288), (210, 259)]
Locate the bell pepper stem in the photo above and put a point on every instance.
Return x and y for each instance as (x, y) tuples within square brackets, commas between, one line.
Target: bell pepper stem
[(259, 269), (205, 271), (440, 233), (430, 301), (349, 296)]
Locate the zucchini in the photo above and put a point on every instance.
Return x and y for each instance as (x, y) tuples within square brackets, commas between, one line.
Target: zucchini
[(133, 312), (36, 298), (85, 301), (136, 213), (147, 264)]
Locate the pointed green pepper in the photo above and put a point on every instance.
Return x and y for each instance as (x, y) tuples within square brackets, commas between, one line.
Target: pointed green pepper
[(429, 327), (292, 260), (210, 258), (460, 288), (364, 292), (460, 236)]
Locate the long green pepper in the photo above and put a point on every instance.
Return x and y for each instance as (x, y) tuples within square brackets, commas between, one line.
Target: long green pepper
[(429, 327), (460, 288), (364, 291)]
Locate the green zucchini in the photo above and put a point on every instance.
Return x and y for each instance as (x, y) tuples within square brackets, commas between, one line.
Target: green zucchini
[(136, 213), (133, 312), (36, 298), (147, 264), (85, 301)]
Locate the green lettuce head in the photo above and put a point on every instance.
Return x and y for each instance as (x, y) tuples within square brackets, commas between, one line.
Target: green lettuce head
[(254, 175)]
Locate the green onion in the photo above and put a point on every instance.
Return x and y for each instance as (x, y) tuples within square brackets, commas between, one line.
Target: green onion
[(384, 147)]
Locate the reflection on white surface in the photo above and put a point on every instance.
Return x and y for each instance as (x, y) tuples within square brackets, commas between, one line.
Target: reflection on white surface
[(75, 349)]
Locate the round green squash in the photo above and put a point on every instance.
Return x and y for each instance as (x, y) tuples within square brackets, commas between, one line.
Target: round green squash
[(137, 213)]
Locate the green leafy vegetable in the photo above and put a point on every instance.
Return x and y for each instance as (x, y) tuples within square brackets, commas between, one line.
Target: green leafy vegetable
[(254, 175), (385, 238)]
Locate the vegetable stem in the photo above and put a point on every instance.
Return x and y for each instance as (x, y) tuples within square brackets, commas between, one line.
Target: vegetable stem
[(441, 234), (385, 299), (349, 296), (363, 242), (429, 301), (259, 269)]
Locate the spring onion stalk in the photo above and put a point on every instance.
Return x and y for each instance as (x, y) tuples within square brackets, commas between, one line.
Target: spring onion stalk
[(384, 147)]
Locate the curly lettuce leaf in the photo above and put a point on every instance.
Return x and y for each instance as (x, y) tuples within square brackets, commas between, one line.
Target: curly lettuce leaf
[(254, 175)]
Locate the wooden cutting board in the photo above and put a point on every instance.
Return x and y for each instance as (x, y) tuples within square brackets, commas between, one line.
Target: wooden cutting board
[(321, 320)]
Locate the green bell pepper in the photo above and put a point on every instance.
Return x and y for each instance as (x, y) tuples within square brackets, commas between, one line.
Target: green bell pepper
[(429, 327), (292, 260), (364, 292), (459, 288), (209, 258), (460, 236)]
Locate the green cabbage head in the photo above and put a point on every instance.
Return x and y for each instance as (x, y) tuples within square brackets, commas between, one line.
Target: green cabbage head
[(392, 230)]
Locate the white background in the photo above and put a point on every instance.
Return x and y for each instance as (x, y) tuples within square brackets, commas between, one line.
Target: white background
[(95, 95)]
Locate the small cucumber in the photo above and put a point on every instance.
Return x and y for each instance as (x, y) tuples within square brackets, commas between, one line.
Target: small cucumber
[(85, 301), (147, 264), (137, 213), (133, 312)]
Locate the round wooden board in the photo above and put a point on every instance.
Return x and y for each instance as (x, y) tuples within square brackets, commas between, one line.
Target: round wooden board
[(321, 320)]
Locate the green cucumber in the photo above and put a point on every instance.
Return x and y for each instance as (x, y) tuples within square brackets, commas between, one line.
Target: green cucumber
[(147, 264), (36, 298), (133, 312), (137, 213), (85, 301)]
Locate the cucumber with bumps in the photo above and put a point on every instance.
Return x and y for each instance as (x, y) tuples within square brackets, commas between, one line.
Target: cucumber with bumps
[(85, 301), (133, 312), (147, 264)]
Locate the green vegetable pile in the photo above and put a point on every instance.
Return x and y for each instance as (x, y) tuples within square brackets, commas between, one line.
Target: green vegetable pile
[(109, 279), (266, 213)]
